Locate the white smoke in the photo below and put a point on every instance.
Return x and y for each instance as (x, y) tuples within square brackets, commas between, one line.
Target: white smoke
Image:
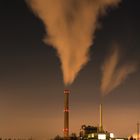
[(70, 27), (112, 74)]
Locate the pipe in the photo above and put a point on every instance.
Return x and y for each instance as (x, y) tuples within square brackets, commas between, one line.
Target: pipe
[(138, 125), (101, 119)]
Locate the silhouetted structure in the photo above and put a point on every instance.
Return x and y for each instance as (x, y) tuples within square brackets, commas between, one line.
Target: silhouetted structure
[(138, 125), (66, 114)]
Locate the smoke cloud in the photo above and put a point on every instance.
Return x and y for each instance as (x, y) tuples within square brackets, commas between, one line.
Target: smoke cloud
[(70, 27), (113, 74)]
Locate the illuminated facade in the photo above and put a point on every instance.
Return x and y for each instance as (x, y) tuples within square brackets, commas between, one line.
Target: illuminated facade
[(94, 133), (91, 132)]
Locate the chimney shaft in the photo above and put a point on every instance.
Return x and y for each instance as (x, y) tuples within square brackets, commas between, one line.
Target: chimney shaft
[(138, 126), (101, 119), (66, 114)]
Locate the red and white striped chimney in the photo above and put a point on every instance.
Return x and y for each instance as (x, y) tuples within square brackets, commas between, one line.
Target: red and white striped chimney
[(66, 114)]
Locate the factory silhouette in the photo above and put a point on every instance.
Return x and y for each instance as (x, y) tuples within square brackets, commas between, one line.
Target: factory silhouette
[(88, 132)]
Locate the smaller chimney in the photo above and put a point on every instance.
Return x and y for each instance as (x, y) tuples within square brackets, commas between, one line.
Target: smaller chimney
[(138, 128), (101, 119)]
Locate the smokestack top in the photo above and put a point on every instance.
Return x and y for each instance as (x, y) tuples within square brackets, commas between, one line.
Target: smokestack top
[(66, 91)]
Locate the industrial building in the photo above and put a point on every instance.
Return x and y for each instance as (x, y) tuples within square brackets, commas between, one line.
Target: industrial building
[(95, 133), (86, 132), (91, 132)]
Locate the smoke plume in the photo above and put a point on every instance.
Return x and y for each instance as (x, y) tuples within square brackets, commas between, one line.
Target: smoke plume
[(113, 74), (70, 27)]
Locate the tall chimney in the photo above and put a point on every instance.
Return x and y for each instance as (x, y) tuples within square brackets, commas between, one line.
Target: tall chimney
[(66, 114), (138, 128), (101, 119)]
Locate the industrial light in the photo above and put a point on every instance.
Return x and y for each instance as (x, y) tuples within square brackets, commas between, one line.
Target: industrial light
[(101, 136), (92, 135), (111, 135)]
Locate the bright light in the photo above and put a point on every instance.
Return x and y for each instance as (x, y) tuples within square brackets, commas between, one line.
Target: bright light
[(119, 139), (111, 135), (101, 136), (92, 135)]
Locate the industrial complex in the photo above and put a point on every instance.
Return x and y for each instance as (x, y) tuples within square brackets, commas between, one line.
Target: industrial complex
[(88, 132)]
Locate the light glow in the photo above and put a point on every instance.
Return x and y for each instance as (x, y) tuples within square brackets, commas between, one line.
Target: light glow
[(101, 136), (65, 129), (66, 110), (111, 135), (91, 135)]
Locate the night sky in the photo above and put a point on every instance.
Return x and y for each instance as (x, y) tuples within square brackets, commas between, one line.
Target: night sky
[(31, 82)]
